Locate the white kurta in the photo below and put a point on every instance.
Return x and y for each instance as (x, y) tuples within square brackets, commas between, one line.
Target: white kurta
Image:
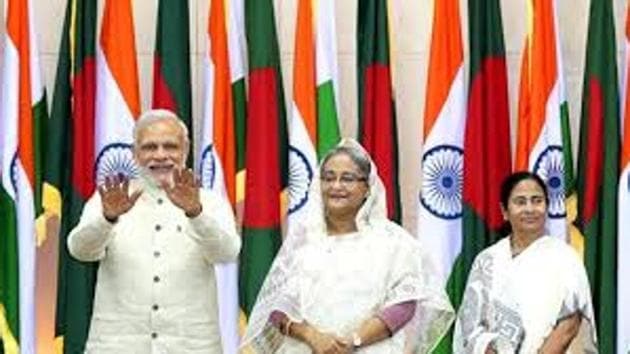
[(156, 290), (517, 301)]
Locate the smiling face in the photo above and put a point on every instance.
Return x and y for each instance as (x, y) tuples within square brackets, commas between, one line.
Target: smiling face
[(344, 187), (526, 208), (160, 148)]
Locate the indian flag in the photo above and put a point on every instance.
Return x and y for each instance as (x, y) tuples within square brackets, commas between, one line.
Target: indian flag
[(542, 108), (22, 122), (313, 126), (117, 95), (440, 209), (221, 139), (623, 241)]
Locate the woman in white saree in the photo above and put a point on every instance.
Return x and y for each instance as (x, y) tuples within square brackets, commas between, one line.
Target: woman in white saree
[(529, 292), (346, 278)]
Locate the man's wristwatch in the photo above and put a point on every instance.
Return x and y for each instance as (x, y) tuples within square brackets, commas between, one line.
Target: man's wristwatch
[(356, 341)]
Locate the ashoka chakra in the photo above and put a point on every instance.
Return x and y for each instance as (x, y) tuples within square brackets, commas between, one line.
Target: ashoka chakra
[(442, 178), (550, 167), (115, 159), (300, 176)]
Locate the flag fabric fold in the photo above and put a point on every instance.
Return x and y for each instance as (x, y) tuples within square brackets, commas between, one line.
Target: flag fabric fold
[(171, 62), (221, 141), (542, 109), (440, 202), (22, 123), (623, 242), (598, 169), (69, 176), (266, 156), (313, 124), (378, 132)]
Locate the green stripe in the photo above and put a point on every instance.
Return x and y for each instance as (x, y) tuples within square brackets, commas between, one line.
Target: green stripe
[(372, 44), (239, 101), (9, 262), (85, 26), (484, 18), (40, 122), (59, 134), (262, 45), (259, 249), (328, 134), (600, 232)]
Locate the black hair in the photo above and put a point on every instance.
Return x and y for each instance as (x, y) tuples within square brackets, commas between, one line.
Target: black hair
[(508, 185)]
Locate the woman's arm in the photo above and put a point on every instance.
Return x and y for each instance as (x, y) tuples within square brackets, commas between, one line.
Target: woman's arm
[(562, 335)]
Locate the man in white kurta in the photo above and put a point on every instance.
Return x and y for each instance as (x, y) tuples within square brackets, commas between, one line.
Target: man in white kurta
[(156, 290)]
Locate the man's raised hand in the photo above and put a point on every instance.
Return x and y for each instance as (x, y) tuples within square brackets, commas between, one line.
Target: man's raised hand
[(115, 198)]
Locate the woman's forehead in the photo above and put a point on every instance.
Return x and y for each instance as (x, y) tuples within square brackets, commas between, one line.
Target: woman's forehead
[(527, 187), (340, 162)]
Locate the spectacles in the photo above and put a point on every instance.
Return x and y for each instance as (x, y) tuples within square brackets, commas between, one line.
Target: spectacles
[(345, 179)]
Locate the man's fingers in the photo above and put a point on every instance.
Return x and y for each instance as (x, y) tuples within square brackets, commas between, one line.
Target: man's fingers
[(177, 175), (101, 190), (108, 182), (125, 185), (189, 178)]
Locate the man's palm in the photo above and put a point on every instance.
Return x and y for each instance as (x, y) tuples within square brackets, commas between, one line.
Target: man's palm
[(115, 198)]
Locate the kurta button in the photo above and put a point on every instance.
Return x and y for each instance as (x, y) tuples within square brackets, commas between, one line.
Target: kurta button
[(153, 335), (158, 227), (155, 307), (156, 279), (160, 201), (179, 228), (156, 254)]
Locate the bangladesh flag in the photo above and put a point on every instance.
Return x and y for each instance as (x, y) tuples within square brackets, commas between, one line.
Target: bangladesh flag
[(68, 177), (598, 168), (265, 152), (377, 116), (171, 63)]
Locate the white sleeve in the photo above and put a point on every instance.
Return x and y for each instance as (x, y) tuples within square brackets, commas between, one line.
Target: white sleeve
[(89, 239), (215, 229)]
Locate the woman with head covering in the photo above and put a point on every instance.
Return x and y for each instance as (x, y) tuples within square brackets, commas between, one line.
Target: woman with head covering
[(528, 293), (346, 278)]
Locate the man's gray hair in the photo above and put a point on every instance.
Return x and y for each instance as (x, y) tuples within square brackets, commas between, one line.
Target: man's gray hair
[(155, 115)]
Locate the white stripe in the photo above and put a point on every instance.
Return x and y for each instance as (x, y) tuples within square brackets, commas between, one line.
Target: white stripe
[(114, 120), (237, 44), (623, 264), (26, 246), (9, 112), (22, 195), (443, 237), (226, 274), (326, 46), (37, 87), (623, 238), (551, 134)]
